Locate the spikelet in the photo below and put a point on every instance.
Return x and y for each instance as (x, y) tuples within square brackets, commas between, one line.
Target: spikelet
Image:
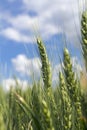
[(84, 35), (30, 126), (47, 116), (72, 85), (66, 104)]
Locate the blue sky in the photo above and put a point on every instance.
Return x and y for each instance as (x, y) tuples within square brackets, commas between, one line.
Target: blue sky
[(23, 20)]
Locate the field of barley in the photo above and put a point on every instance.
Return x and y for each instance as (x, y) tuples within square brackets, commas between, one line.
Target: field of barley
[(43, 106)]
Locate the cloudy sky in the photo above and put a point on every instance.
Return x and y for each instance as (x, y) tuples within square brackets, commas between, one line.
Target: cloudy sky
[(21, 21)]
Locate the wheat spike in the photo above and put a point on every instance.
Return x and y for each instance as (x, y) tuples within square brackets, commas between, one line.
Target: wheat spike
[(84, 35), (72, 86), (46, 69), (66, 104)]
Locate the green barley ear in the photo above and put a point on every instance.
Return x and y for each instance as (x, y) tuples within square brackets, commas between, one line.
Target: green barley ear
[(66, 104), (84, 35), (72, 86), (46, 69), (47, 116), (46, 73)]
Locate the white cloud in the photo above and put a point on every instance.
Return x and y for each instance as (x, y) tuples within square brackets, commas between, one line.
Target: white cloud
[(23, 22), (26, 66), (57, 13), (10, 82), (26, 23), (36, 6), (53, 17), (14, 34)]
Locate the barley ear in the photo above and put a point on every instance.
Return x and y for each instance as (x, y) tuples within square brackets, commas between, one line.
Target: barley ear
[(66, 104), (46, 69), (72, 86), (84, 35), (46, 73)]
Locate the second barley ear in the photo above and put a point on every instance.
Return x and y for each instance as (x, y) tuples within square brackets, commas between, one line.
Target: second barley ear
[(66, 105), (84, 35)]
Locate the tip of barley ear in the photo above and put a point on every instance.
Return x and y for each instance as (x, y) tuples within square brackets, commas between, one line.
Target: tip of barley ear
[(84, 15), (38, 40), (66, 51)]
